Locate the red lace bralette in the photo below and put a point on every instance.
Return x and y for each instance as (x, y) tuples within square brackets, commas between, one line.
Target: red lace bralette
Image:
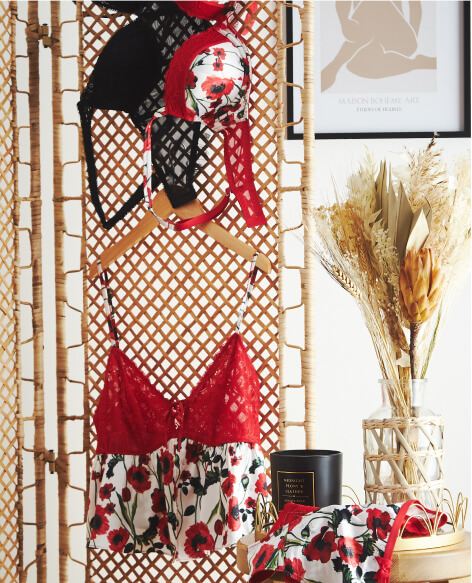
[(133, 417)]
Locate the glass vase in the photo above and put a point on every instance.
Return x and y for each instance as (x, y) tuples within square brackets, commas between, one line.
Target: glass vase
[(403, 455)]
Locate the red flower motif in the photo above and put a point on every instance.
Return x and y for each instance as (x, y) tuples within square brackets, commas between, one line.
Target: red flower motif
[(379, 523), (158, 499), (219, 53), (110, 508), (321, 546), (99, 522), (234, 521), (144, 459), (228, 484), (293, 570), (97, 475), (250, 503), (126, 494), (219, 527), (261, 485), (215, 87), (218, 65), (164, 530), (262, 557), (185, 476), (356, 509), (105, 491), (191, 81), (198, 540), (167, 465), (118, 539), (231, 450), (193, 453), (138, 477), (350, 550), (234, 460)]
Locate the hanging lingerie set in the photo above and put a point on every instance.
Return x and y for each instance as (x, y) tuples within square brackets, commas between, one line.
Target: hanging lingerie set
[(179, 476)]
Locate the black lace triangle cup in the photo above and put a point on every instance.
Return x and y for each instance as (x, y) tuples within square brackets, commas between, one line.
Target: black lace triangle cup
[(129, 77)]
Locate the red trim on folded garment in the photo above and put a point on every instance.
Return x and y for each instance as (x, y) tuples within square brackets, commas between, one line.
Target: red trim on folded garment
[(204, 217)]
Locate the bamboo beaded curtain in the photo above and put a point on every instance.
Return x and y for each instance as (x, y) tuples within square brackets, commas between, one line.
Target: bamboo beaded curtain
[(176, 295)]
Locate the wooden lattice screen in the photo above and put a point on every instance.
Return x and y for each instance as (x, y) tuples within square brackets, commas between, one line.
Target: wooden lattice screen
[(177, 296)]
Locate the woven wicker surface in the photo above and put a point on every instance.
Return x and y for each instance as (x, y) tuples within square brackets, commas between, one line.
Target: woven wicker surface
[(9, 493), (176, 295), (396, 450)]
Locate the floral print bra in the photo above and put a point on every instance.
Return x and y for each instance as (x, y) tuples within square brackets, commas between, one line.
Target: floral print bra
[(171, 475), (209, 81)]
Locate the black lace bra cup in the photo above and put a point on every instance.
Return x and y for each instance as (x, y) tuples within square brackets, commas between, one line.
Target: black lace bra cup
[(129, 76)]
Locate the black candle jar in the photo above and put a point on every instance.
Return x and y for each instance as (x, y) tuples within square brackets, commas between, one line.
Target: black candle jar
[(306, 476)]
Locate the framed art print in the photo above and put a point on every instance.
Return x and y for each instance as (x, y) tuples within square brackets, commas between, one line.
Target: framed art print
[(385, 68)]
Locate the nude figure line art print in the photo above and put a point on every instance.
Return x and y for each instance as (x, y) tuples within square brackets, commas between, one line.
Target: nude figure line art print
[(379, 39)]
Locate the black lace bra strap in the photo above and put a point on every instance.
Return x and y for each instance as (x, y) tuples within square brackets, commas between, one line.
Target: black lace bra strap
[(86, 113), (108, 303), (249, 287)]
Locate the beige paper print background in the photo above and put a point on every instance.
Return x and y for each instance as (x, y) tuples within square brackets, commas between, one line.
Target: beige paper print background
[(378, 46)]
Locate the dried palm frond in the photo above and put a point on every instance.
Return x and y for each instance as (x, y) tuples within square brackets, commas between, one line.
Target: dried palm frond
[(359, 248)]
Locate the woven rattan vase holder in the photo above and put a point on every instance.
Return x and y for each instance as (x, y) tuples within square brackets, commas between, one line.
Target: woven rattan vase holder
[(398, 456)]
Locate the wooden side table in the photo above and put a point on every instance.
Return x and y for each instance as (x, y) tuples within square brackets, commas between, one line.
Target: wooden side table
[(443, 565)]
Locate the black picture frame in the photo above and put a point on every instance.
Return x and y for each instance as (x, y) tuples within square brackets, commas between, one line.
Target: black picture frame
[(293, 134)]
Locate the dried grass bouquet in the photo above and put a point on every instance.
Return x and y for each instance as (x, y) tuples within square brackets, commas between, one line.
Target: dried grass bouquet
[(398, 243)]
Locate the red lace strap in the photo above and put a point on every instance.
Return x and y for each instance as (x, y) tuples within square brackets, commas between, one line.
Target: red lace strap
[(147, 183), (249, 287), (108, 303)]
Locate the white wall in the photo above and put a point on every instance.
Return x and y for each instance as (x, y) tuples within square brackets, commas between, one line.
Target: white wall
[(346, 366)]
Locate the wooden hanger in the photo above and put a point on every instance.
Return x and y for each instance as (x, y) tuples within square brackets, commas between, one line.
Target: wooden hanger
[(163, 208)]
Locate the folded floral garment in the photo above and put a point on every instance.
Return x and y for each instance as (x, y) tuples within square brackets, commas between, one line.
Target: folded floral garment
[(336, 544)]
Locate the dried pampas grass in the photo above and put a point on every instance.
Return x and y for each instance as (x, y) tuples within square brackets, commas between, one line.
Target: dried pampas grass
[(355, 248)]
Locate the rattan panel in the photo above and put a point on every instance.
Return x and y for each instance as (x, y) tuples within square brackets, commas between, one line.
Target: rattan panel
[(177, 295), (9, 492)]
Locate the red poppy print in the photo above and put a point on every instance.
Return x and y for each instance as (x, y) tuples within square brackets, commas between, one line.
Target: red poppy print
[(138, 477), (185, 476), (356, 509), (218, 527), (118, 539), (215, 87), (379, 523), (164, 530), (126, 494), (158, 499), (167, 466), (349, 550), (144, 459), (261, 485), (219, 53), (110, 508), (193, 452), (97, 475), (321, 546), (263, 556), (99, 522), (293, 570), (198, 540), (217, 66), (250, 503), (106, 491), (234, 521), (227, 485)]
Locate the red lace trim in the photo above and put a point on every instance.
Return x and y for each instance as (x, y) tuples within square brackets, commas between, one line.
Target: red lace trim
[(133, 417), (237, 139)]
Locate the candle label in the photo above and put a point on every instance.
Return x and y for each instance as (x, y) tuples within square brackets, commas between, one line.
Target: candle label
[(298, 487)]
